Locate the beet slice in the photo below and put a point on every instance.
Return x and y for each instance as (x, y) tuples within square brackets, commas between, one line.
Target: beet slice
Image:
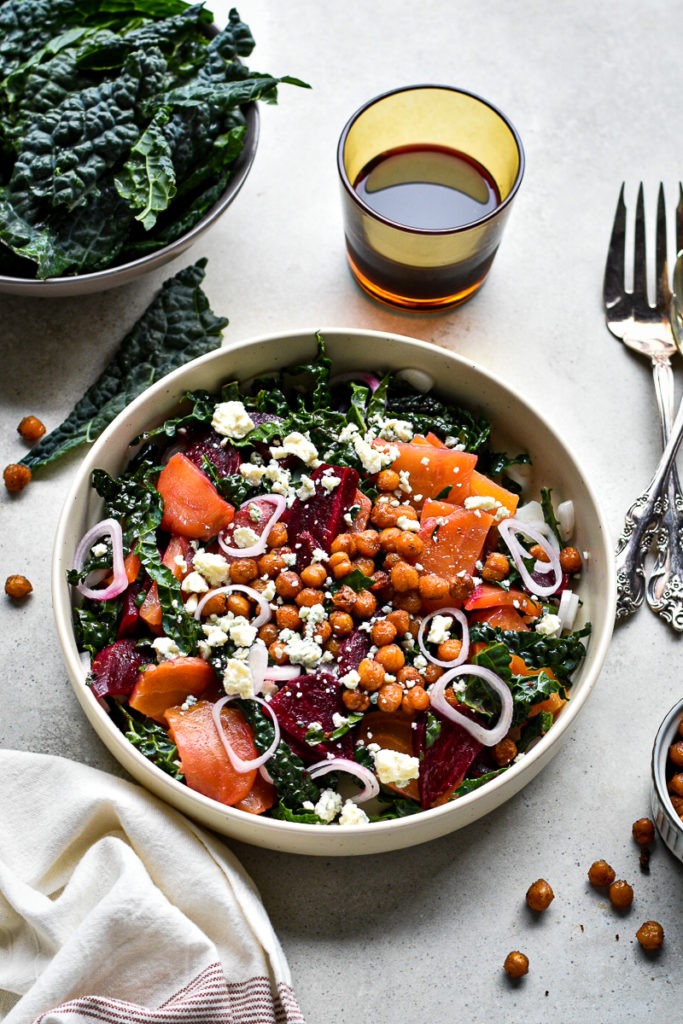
[(129, 619), (352, 650), (306, 701), (444, 763), (210, 445), (322, 515), (116, 668)]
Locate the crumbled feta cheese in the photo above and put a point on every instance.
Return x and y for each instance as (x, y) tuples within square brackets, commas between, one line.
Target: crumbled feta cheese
[(404, 481), (306, 488), (299, 445), (279, 478), (329, 805), (268, 593), (404, 523), (424, 461), (439, 629), (339, 721), (348, 432), (352, 814), (251, 473), (215, 635), (99, 550), (194, 583), (237, 678), (302, 650), (396, 430), (214, 568), (350, 679), (165, 648), (255, 513), (231, 419), (373, 459), (319, 555), (395, 768), (549, 625), (482, 502), (242, 633), (288, 557), (245, 537), (330, 481)]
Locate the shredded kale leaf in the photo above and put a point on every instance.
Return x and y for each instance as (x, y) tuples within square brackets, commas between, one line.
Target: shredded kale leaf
[(293, 783), (121, 125), (150, 738), (95, 626), (561, 654), (178, 326)]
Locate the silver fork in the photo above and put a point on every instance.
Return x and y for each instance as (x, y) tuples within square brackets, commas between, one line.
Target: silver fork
[(646, 329)]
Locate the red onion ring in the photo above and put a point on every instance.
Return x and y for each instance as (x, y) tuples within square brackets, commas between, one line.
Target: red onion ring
[(282, 672), (265, 613), (489, 737), (343, 764), (260, 546), (241, 764), (365, 378), (460, 616), (106, 528), (507, 528)]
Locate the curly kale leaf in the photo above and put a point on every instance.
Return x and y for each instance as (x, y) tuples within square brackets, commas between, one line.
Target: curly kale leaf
[(178, 326), (150, 738), (562, 655)]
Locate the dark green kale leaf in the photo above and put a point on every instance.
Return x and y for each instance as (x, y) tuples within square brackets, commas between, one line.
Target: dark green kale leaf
[(427, 412), (147, 181), (178, 326), (288, 772), (95, 624), (150, 738), (562, 655)]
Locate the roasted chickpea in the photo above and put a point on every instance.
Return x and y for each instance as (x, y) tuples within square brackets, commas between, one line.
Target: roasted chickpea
[(314, 575), (271, 564), (308, 597), (323, 632), (600, 873), (676, 754), (504, 752), (16, 477), (367, 543), (432, 587), (387, 480), (216, 604), (409, 546), (408, 675), (383, 632), (344, 598), (389, 697), (675, 784), (342, 567), (432, 673), (268, 633), (277, 652), (401, 620), (539, 895), (650, 935), (355, 700), (364, 565), (371, 674), (381, 583), (287, 617), (17, 587), (341, 623), (238, 604), (243, 570), (449, 650), (415, 699), (345, 544), (461, 586), (391, 658), (277, 538), (404, 577), (287, 584), (31, 428), (384, 514), (620, 894), (643, 831), (496, 567), (570, 561), (516, 964), (388, 538), (365, 605)]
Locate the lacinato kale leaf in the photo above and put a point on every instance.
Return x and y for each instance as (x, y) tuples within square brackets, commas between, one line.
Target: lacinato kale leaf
[(561, 654), (178, 326), (150, 738), (120, 125)]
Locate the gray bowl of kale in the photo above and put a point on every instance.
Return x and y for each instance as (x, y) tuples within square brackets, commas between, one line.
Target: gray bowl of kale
[(124, 135)]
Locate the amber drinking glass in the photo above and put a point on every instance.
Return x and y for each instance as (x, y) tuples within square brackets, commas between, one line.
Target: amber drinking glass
[(428, 176)]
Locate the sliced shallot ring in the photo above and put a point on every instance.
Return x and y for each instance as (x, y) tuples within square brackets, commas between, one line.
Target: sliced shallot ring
[(507, 528), (368, 379), (106, 528), (282, 672), (566, 519), (460, 617), (260, 546), (258, 663), (241, 764), (265, 614), (569, 606), (489, 737), (343, 764)]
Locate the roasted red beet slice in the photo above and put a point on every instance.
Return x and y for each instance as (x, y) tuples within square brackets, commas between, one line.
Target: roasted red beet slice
[(129, 620), (115, 669), (305, 702), (211, 446), (322, 515), (352, 651), (446, 761)]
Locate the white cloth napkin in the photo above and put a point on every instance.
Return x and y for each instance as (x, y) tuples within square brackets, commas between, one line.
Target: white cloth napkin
[(115, 908)]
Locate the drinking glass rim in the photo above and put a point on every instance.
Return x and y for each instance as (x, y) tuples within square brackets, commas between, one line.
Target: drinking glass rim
[(429, 231)]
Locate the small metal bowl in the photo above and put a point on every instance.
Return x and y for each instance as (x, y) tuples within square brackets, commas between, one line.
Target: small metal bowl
[(669, 825), (112, 277)]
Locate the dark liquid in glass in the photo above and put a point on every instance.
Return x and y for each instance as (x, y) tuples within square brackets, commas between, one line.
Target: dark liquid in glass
[(425, 189)]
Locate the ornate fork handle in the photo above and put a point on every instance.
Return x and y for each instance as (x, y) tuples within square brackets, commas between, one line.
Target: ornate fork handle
[(640, 525)]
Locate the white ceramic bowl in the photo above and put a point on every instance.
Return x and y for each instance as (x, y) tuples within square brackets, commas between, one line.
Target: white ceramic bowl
[(668, 822), (516, 425), (112, 277)]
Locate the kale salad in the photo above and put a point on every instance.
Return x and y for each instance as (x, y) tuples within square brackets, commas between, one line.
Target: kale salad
[(325, 598)]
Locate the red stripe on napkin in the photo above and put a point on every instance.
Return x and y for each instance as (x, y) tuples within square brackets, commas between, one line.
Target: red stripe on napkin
[(207, 999)]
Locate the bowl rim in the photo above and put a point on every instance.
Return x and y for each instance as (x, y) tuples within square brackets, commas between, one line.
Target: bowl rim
[(273, 833), (659, 757), (112, 277)]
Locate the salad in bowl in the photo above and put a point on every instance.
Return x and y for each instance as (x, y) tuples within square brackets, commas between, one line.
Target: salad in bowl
[(325, 599)]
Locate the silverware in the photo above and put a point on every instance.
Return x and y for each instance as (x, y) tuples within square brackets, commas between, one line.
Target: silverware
[(657, 515)]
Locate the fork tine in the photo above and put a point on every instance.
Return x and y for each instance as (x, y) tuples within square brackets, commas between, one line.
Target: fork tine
[(640, 256), (613, 287), (663, 291), (679, 220)]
